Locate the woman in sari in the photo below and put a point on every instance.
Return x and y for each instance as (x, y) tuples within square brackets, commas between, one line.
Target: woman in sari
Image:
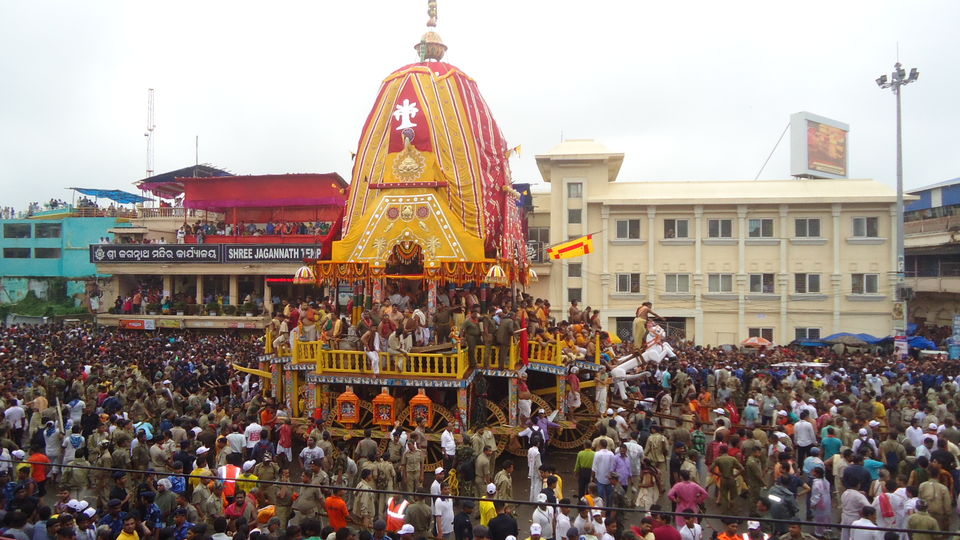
[(650, 487)]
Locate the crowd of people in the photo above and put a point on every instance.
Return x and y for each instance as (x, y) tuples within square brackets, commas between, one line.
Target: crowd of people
[(202, 229), (179, 446)]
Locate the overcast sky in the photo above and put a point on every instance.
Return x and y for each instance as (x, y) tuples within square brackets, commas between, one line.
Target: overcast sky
[(688, 90)]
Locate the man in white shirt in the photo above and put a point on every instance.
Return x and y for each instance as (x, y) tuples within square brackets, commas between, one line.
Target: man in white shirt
[(533, 466), (542, 518), (804, 436), (235, 442), (602, 465), (691, 530), (17, 418), (866, 520), (443, 512), (449, 446), (252, 434)]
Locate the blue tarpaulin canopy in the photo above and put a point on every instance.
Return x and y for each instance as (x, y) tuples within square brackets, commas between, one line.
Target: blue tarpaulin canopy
[(115, 195), (920, 342), (866, 338)]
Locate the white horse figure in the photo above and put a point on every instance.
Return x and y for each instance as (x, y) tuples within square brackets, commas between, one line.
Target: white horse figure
[(657, 348)]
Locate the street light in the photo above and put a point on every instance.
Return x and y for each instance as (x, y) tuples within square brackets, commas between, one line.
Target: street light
[(899, 78)]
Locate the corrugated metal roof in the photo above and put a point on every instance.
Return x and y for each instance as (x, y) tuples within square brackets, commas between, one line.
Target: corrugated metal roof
[(945, 183)]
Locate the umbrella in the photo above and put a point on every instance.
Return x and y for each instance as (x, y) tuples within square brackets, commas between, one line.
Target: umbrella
[(756, 342)]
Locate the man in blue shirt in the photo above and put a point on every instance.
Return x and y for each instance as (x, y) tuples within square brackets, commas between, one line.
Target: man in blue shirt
[(114, 518), (180, 524), (751, 413), (831, 444)]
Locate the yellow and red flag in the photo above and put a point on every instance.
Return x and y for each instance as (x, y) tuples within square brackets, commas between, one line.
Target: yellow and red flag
[(573, 248)]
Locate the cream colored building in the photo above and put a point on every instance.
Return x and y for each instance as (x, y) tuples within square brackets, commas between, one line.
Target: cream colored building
[(722, 260)]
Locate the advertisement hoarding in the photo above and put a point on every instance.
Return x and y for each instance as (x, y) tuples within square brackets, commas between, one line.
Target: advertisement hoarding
[(818, 146), (137, 324)]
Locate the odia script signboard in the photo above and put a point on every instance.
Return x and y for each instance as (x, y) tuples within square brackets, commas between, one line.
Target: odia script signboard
[(153, 253), (203, 253)]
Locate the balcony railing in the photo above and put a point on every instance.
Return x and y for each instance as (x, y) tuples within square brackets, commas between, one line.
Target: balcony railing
[(943, 269), (261, 239), (178, 212), (933, 225)]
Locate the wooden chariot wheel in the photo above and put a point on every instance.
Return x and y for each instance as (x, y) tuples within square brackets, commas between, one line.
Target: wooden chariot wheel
[(584, 421), (516, 448), (441, 417)]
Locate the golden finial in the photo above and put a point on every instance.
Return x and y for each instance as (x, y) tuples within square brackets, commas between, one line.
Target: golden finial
[(432, 13), (431, 47)]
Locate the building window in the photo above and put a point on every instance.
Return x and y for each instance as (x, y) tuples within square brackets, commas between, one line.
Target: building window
[(48, 230), (575, 190), (625, 328), (575, 294), (538, 238), (628, 283), (46, 253), (761, 283), (806, 283), (676, 228), (720, 228), (16, 253), (720, 283), (574, 215), (16, 230), (760, 228), (765, 333), (865, 283), (628, 229), (678, 283), (807, 227), (574, 270), (803, 332), (866, 227)]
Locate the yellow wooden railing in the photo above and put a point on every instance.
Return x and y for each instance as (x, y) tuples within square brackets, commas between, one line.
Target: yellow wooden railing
[(419, 364), (268, 341), (449, 366), (488, 357), (268, 348), (546, 353)]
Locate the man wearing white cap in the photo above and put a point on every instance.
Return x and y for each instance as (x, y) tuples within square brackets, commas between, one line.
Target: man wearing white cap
[(487, 509), (542, 518), (247, 480)]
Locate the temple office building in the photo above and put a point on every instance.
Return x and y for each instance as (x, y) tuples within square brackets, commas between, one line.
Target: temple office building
[(721, 260)]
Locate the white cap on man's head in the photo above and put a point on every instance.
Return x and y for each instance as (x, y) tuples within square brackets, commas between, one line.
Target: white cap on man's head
[(491, 489), (535, 529), (406, 529)]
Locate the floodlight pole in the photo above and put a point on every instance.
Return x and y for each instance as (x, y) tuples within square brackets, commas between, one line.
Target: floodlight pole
[(898, 79)]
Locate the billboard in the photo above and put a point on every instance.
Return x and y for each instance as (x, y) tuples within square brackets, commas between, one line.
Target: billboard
[(818, 146)]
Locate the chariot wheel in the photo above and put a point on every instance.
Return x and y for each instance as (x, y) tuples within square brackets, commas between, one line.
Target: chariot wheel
[(441, 418), (513, 445), (584, 426), (495, 417)]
